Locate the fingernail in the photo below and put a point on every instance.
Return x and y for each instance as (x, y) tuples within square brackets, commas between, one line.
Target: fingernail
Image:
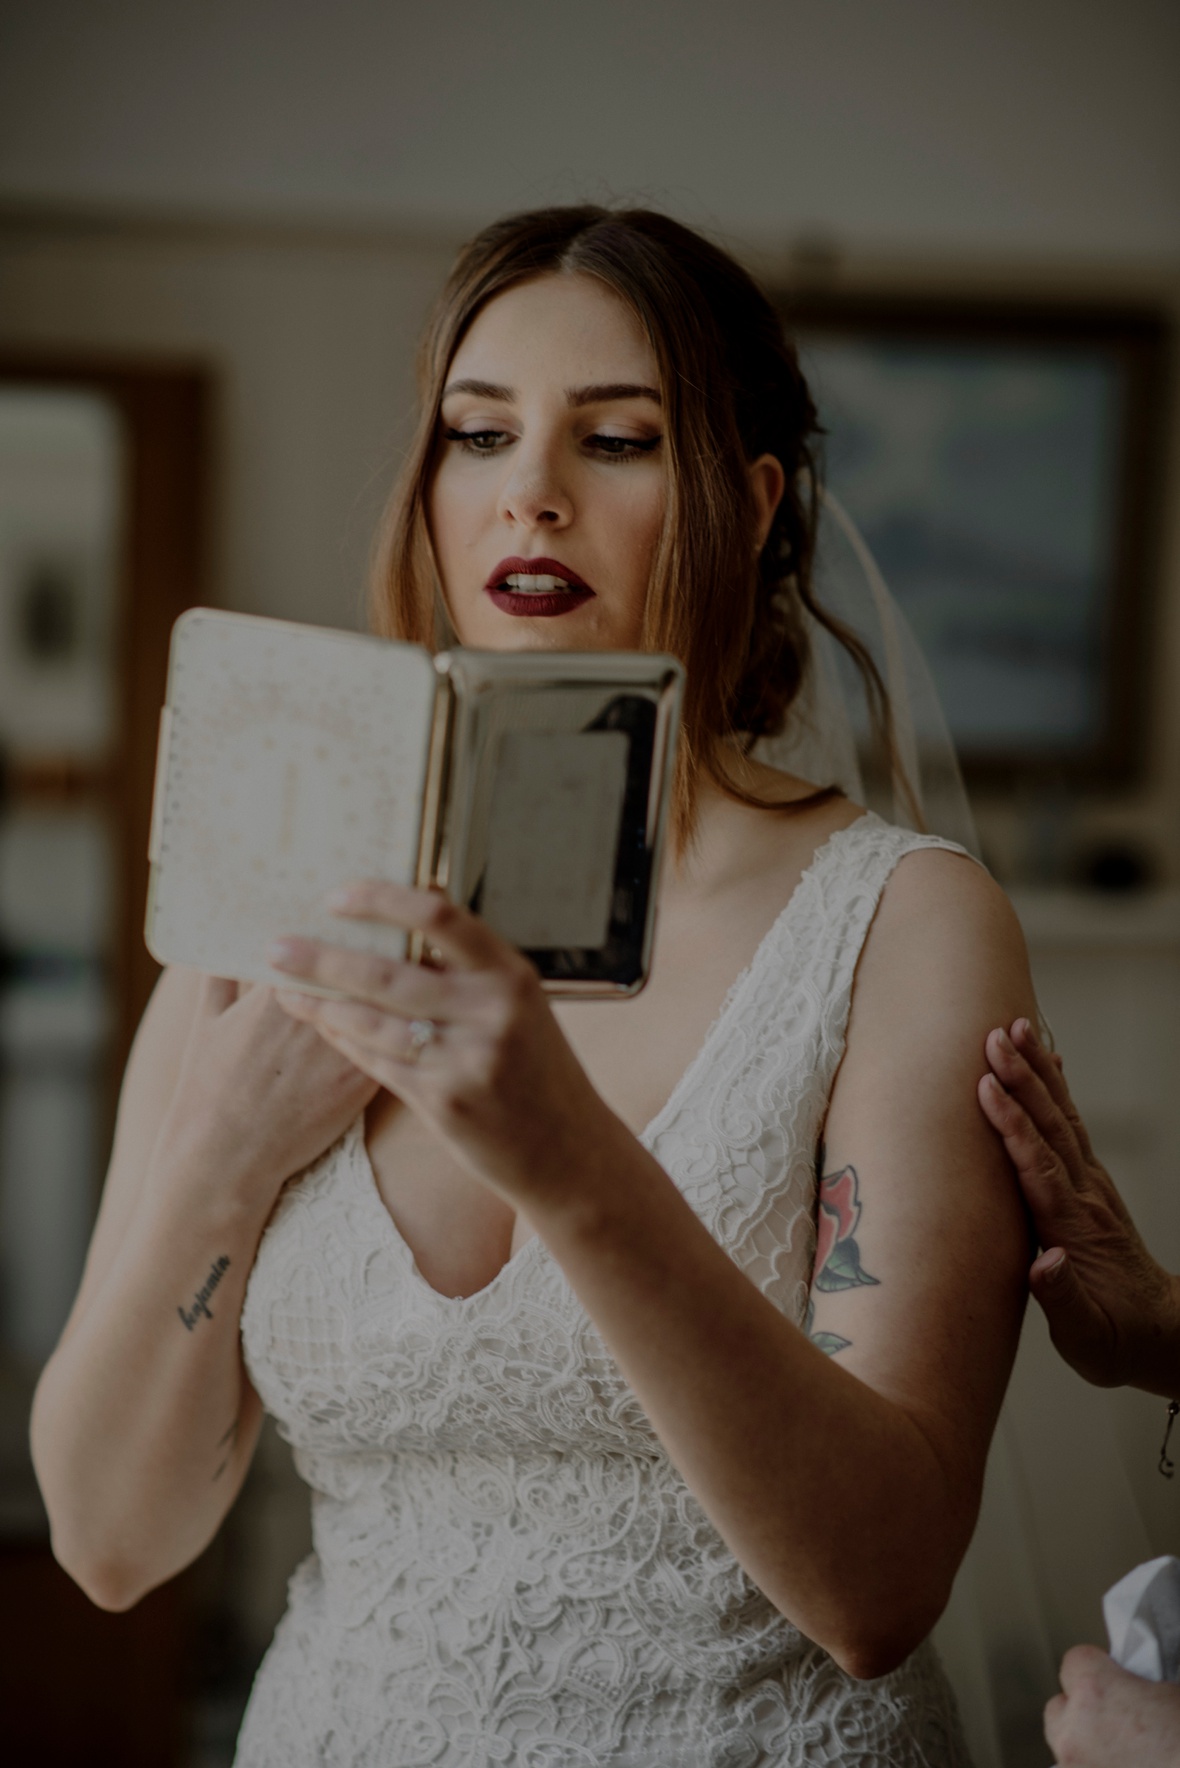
[(284, 954), (1006, 1043), (343, 898), (1024, 1029), (1055, 1270)]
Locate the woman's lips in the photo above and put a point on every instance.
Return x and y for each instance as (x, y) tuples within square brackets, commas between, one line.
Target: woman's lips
[(537, 588), (539, 606)]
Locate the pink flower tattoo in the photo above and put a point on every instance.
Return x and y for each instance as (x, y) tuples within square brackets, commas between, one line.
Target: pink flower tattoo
[(837, 1256)]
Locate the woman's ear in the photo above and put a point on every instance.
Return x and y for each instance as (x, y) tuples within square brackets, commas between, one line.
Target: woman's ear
[(767, 482)]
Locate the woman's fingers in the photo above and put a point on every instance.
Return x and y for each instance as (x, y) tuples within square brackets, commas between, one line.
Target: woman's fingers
[(379, 1045), (374, 998), (1050, 1069), (1042, 1061), (371, 1040), (460, 938), (1054, 1720), (1029, 1090), (1045, 1182), (1107, 1718), (1044, 1178), (364, 1027), (1082, 1333), (1084, 1665), (386, 983)]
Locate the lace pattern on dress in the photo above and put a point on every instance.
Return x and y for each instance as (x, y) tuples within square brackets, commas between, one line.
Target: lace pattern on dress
[(507, 1566)]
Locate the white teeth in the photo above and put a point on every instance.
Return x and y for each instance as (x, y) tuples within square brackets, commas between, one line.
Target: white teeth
[(529, 585)]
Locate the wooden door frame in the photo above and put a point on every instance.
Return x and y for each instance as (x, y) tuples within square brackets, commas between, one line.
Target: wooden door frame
[(165, 410)]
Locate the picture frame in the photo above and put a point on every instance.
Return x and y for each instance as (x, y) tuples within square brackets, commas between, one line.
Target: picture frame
[(1003, 459)]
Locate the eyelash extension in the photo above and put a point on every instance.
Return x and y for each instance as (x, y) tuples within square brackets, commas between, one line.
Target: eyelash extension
[(628, 449), (468, 439)]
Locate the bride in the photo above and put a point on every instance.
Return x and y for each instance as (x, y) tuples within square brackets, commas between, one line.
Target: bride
[(642, 1356)]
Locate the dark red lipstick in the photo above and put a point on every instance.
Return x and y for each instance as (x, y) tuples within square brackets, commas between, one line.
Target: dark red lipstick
[(543, 600)]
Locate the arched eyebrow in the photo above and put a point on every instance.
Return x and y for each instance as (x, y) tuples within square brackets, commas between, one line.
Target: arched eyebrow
[(604, 391), (598, 393)]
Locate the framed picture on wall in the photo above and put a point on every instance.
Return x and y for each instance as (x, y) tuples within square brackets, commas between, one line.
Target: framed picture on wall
[(1004, 463)]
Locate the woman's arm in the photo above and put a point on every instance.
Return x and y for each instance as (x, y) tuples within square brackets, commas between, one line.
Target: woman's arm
[(144, 1420), (1113, 1312), (846, 1485)]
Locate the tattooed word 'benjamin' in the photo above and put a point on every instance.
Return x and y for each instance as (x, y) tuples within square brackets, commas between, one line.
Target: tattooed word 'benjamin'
[(201, 1299)]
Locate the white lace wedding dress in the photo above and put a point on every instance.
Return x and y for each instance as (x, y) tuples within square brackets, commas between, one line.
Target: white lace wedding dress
[(507, 1567)]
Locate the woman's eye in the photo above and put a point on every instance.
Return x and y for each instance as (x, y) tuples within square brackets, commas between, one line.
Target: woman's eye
[(605, 447), (623, 447), (477, 441)]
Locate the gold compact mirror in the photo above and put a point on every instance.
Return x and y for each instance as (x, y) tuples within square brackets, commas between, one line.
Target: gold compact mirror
[(534, 789), (552, 814)]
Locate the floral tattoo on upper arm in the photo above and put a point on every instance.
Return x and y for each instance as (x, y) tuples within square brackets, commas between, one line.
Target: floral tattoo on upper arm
[(837, 1256)]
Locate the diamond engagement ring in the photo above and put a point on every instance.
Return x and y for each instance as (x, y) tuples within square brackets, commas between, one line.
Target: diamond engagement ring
[(422, 1032)]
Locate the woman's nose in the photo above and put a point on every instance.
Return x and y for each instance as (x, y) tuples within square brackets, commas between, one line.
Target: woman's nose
[(533, 494)]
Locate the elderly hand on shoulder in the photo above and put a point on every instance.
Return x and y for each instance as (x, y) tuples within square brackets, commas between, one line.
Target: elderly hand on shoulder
[(1113, 1312), (1114, 1315)]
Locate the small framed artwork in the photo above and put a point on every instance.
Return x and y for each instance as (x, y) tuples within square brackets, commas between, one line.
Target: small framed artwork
[(1004, 464), (61, 494)]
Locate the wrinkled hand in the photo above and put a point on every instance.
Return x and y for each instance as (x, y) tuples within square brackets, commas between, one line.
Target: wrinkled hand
[(1113, 1312), (1107, 1718), (496, 1078), (258, 1097)]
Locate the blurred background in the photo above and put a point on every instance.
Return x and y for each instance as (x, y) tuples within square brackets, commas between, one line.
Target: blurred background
[(220, 229)]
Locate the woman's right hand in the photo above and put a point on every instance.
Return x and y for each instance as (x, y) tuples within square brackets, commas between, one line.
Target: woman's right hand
[(259, 1096), (1113, 1312)]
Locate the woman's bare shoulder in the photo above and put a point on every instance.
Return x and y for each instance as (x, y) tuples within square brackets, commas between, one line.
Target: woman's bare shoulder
[(943, 962), (942, 914)]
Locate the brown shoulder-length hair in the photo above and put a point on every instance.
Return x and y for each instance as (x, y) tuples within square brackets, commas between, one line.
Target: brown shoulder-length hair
[(732, 390)]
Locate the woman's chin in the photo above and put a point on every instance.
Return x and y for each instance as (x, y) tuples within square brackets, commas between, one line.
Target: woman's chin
[(580, 629)]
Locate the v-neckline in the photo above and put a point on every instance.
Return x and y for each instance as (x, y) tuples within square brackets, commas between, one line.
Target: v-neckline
[(653, 1128), (740, 983)]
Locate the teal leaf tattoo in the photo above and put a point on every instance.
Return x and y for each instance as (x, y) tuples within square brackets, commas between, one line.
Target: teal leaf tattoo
[(843, 1269), (837, 1255), (828, 1342)]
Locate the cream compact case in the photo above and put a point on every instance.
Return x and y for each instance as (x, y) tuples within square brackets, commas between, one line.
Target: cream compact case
[(533, 787)]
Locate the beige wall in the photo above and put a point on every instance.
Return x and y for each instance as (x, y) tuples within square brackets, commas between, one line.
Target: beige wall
[(310, 332), (1025, 145), (1044, 127), (311, 340)]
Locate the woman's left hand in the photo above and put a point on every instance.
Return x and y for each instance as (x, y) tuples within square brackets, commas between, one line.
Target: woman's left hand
[(471, 1046)]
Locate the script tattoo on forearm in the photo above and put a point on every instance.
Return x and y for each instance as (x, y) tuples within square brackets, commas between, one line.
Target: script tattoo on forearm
[(837, 1256), (229, 1443), (201, 1299)]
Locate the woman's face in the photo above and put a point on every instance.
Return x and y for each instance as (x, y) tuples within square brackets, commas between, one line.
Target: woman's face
[(549, 494)]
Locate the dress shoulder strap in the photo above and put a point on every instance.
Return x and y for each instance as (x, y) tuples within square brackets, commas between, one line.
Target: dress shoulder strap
[(843, 891)]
